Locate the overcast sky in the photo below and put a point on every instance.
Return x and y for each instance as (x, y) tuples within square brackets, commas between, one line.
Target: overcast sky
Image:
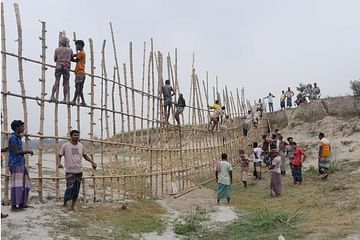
[(264, 46)]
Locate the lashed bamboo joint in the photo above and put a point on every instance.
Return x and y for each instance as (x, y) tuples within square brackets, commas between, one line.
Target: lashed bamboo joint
[(138, 154)]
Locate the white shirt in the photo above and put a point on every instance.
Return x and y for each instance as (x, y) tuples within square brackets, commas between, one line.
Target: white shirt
[(224, 176), (277, 162), (257, 154), (270, 99)]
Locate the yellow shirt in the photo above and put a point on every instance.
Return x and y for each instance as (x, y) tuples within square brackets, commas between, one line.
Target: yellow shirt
[(217, 107), (80, 65), (325, 148)]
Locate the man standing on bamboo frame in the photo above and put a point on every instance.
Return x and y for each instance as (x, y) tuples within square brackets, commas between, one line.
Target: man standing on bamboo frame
[(62, 57), (168, 92), (73, 152)]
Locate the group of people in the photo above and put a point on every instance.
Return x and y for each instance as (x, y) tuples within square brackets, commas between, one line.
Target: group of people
[(72, 151), (286, 97), (273, 153), (63, 57)]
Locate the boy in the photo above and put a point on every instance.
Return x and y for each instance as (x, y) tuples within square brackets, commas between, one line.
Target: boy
[(62, 57), (270, 98), (168, 92), (73, 152), (79, 58), (257, 160), (223, 175), (275, 182), (299, 158), (324, 156), (282, 100), (244, 165), (180, 106), (214, 115)]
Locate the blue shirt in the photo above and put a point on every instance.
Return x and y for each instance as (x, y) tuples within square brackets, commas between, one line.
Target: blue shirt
[(15, 142)]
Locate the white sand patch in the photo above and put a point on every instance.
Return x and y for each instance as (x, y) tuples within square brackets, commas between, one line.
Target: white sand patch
[(32, 224), (223, 214)]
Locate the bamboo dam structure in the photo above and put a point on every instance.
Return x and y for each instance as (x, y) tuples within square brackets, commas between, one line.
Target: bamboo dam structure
[(122, 126)]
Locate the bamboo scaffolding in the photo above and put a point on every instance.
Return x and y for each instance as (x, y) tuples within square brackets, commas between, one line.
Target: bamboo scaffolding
[(153, 162), (4, 113)]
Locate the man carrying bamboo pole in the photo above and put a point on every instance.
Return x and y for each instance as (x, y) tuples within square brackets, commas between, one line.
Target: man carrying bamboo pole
[(73, 152), (168, 92), (62, 57)]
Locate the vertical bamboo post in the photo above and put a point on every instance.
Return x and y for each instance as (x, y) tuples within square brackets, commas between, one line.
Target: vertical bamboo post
[(193, 121), (127, 102), (103, 105), (92, 104), (118, 78), (4, 124), (142, 92), (78, 121), (153, 84), (42, 109), (201, 114), (113, 101), (132, 91), (148, 97), (21, 77), (56, 142)]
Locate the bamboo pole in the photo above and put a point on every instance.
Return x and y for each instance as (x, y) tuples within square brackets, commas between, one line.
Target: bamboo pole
[(78, 118), (42, 109), (92, 103), (201, 106), (132, 90), (118, 78), (142, 89), (126, 101), (106, 94), (103, 104), (21, 77), (113, 102), (4, 122)]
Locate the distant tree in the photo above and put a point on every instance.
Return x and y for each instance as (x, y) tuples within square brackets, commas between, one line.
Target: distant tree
[(355, 86)]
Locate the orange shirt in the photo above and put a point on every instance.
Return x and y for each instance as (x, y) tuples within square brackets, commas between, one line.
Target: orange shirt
[(80, 65), (325, 147)]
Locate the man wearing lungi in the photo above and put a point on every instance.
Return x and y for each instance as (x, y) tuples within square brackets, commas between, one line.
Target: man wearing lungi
[(73, 152), (275, 182), (223, 174), (20, 180)]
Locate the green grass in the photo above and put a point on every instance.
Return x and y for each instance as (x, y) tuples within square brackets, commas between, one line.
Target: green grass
[(189, 225), (326, 208), (258, 225), (112, 222)]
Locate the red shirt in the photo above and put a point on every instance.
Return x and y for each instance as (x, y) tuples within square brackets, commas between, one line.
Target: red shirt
[(297, 156)]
